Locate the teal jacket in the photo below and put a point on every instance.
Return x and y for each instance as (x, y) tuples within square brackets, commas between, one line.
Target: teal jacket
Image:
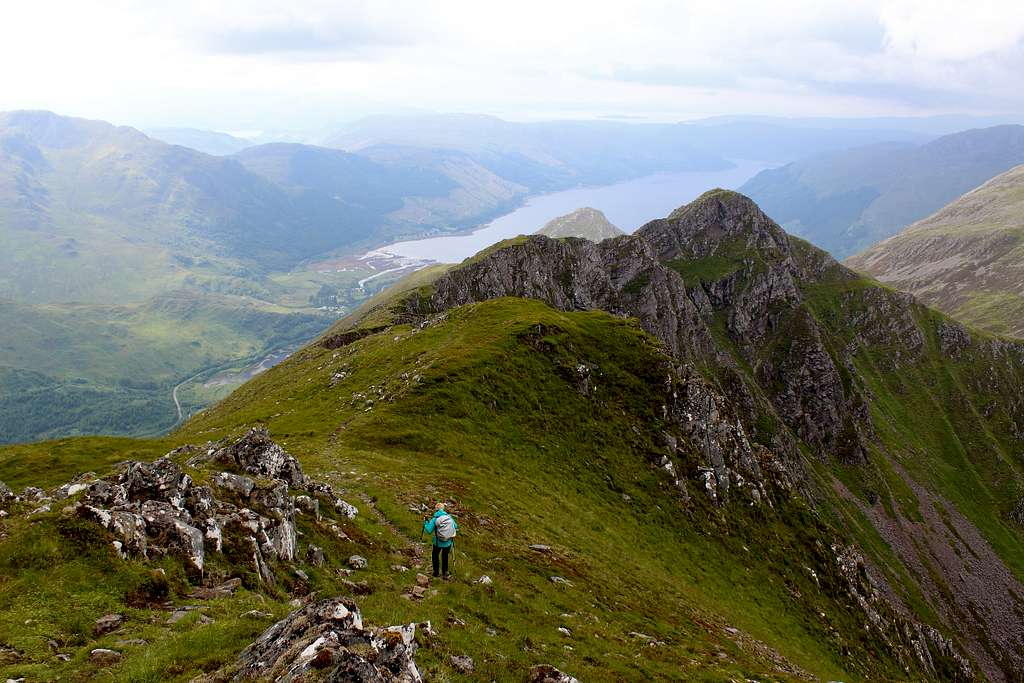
[(430, 527)]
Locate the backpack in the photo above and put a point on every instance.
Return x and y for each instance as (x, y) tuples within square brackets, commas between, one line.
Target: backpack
[(445, 527)]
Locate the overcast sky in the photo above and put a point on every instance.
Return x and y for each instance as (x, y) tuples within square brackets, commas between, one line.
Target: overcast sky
[(251, 65)]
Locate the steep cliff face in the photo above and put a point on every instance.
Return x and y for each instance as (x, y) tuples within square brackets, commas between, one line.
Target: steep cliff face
[(891, 399)]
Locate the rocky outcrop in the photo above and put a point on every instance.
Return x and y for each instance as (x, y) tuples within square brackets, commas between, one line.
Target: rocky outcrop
[(727, 460), (771, 345), (621, 276), (154, 509), (744, 269), (259, 456), (916, 644), (326, 640)]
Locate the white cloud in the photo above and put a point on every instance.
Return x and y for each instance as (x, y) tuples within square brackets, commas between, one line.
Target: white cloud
[(309, 63), (948, 30)]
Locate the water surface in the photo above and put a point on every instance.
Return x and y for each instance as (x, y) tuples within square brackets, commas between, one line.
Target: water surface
[(628, 205)]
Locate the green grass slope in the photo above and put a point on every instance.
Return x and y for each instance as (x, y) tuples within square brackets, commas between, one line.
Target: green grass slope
[(966, 259)]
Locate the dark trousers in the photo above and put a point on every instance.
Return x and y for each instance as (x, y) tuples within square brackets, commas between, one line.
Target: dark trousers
[(442, 554)]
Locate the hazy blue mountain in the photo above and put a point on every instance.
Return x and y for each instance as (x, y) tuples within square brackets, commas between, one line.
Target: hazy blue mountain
[(603, 151), (207, 141), (411, 191), (354, 179), (538, 155), (94, 212), (769, 141), (846, 201), (942, 124)]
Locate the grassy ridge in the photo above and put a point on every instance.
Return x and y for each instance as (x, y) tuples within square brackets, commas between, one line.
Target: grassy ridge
[(479, 409)]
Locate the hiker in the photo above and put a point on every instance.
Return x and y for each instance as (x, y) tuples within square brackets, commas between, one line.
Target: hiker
[(443, 527)]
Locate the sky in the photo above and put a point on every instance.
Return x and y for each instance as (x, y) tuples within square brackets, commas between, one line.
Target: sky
[(310, 65)]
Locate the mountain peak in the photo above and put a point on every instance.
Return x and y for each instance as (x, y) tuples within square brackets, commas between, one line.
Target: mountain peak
[(586, 222), (716, 198), (49, 130), (719, 220)]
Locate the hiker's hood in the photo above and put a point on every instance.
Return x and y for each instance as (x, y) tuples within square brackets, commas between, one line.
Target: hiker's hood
[(439, 513)]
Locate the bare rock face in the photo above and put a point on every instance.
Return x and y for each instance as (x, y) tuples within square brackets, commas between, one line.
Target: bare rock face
[(621, 276), (327, 640)]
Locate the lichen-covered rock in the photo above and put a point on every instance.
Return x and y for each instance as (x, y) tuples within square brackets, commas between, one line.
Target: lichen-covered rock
[(103, 657), (161, 480), (237, 484), (154, 509), (257, 454), (347, 509), (463, 664), (315, 556), (326, 640)]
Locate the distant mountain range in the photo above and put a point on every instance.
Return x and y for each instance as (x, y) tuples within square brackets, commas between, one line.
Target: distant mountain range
[(602, 151), (848, 200), (942, 124), (586, 223), (207, 141), (967, 259), (101, 226), (91, 212)]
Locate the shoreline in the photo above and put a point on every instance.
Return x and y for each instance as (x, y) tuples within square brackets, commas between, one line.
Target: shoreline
[(385, 255)]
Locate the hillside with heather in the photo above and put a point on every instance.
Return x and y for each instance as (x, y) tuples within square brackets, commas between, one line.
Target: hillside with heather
[(703, 451), (967, 259)]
